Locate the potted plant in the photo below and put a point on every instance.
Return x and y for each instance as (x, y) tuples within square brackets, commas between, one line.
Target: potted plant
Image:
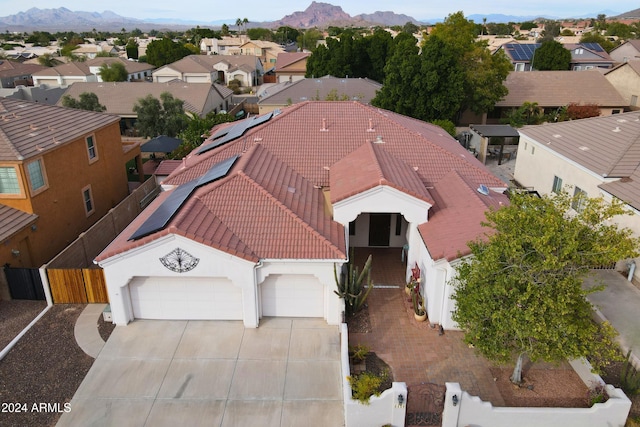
[(419, 312)]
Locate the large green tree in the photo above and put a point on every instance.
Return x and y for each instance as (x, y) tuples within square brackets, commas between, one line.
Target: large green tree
[(164, 116), (165, 51), (86, 101), (551, 55), (113, 72), (520, 293), (196, 131), (484, 73)]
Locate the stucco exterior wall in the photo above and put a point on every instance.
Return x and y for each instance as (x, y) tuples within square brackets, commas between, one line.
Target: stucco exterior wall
[(536, 166), (627, 82)]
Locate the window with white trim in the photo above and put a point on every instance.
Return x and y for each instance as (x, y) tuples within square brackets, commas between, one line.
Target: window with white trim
[(87, 198), (92, 150), (36, 175), (557, 184), (9, 180), (519, 66), (579, 198)]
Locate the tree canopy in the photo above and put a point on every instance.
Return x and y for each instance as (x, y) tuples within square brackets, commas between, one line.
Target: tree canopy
[(551, 55), (196, 131), (113, 72), (164, 116), (87, 101), (462, 73), (520, 293), (165, 51)]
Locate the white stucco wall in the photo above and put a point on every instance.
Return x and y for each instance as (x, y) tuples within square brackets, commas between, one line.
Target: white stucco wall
[(361, 237), (536, 166), (145, 262)]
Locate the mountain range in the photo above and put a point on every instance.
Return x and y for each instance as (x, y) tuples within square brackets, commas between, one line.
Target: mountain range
[(318, 14)]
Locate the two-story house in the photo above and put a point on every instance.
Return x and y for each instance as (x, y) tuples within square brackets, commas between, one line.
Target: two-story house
[(627, 51), (16, 73), (61, 170), (584, 56), (594, 157)]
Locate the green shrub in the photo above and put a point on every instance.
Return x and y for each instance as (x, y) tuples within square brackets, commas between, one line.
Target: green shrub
[(629, 377), (359, 352), (366, 385)]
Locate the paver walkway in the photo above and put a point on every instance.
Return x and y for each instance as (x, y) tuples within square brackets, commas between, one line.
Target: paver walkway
[(415, 352)]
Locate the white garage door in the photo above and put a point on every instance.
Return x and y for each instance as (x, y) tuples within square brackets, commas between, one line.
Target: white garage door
[(185, 299), (292, 296)]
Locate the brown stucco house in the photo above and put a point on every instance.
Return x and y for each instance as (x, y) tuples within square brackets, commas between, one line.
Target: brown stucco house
[(60, 171)]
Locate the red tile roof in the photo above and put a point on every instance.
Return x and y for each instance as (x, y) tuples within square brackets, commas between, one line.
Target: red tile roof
[(375, 167), (457, 217), (271, 204)]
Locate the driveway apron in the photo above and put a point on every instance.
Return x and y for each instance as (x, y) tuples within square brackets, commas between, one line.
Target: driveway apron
[(287, 372)]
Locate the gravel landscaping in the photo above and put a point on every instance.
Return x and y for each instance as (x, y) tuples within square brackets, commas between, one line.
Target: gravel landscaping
[(43, 371), (15, 315)]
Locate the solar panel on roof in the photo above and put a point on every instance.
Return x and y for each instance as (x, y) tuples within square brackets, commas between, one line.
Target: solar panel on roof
[(167, 210), (161, 216), (217, 171), (522, 52), (593, 46), (235, 131)]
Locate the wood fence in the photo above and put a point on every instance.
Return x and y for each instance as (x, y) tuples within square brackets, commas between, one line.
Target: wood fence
[(77, 285)]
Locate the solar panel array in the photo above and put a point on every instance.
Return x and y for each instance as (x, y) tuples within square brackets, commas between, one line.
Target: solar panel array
[(593, 46), (522, 52), (234, 132), (168, 209)]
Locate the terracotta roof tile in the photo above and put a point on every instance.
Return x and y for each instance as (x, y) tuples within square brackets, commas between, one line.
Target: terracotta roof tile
[(457, 217), (271, 204), (374, 167)]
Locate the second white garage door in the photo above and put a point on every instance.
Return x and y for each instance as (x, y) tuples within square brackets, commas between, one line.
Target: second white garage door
[(185, 299), (292, 296)]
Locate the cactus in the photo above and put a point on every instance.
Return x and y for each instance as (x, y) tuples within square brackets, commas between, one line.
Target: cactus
[(356, 286), (417, 307)]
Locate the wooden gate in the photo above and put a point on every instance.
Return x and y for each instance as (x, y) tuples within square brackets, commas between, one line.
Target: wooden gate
[(77, 286), (24, 283), (425, 403)]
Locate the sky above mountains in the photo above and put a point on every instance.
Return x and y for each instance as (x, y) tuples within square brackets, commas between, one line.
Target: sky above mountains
[(260, 10)]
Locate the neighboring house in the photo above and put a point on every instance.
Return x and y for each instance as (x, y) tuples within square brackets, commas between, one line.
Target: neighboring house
[(61, 170), (120, 98), (321, 89), (254, 221), (592, 157), (89, 71), (291, 66), (224, 46), (267, 51), (15, 73), (90, 50), (43, 93), (584, 56), (627, 51), (626, 79), (213, 69)]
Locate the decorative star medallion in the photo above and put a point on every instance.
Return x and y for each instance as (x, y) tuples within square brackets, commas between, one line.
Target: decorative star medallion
[(179, 260)]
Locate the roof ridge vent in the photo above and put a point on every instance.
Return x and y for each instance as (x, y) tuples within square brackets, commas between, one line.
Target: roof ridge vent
[(617, 129), (379, 140), (483, 189)]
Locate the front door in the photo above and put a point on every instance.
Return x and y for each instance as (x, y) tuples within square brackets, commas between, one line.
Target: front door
[(379, 229)]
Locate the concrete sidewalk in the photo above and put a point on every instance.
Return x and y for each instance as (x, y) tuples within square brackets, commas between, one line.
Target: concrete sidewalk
[(619, 303)]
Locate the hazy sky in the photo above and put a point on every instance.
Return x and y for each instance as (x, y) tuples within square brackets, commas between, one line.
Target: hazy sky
[(261, 10)]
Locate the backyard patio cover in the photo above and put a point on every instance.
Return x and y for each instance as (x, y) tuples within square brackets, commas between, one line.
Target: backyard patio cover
[(160, 144), (489, 131)]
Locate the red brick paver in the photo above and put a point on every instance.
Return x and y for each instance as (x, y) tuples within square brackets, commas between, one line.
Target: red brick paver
[(416, 352)]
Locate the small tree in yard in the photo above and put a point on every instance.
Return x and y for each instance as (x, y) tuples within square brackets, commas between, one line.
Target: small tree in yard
[(87, 101), (551, 55), (520, 293), (113, 72)]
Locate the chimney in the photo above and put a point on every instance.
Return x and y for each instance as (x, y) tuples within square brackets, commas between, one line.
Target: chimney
[(324, 125), (371, 129)]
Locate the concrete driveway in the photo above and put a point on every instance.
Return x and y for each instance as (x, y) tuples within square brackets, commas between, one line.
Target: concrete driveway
[(214, 373)]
